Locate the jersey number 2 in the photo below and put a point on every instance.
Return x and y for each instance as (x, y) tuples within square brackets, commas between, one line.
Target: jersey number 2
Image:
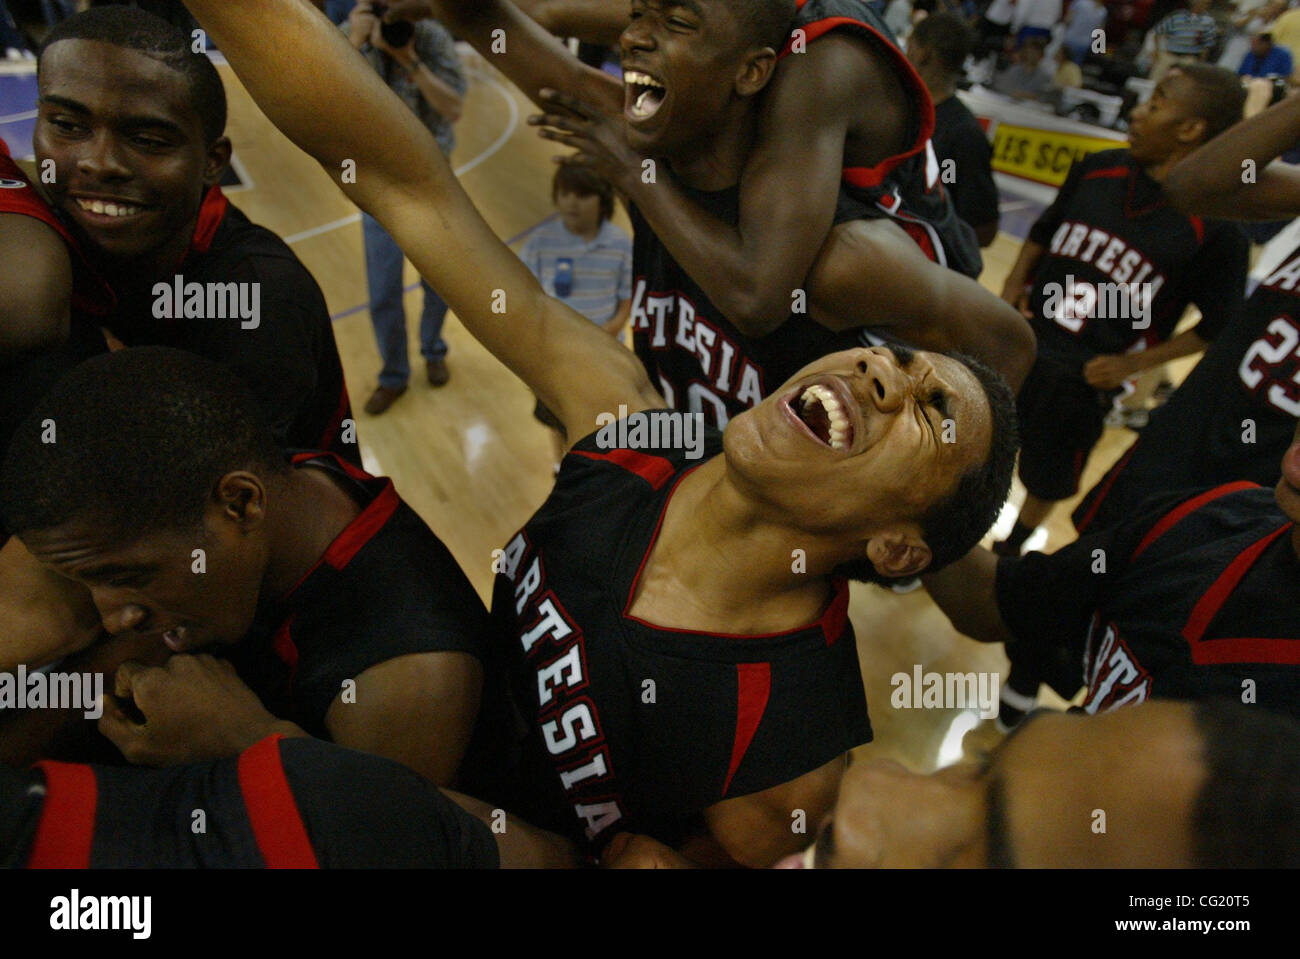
[(1281, 341)]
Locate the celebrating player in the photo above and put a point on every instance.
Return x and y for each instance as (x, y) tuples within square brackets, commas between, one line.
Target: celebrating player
[(191, 529), (1105, 276), (733, 194), (1233, 416), (680, 651)]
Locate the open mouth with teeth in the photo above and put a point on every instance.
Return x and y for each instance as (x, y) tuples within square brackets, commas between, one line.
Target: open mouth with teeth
[(645, 94), (116, 209), (823, 412)]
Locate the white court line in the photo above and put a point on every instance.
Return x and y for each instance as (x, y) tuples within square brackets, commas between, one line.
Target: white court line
[(16, 117), (464, 168)]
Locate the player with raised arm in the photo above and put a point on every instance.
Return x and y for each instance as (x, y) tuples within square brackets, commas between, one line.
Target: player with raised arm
[(645, 566)]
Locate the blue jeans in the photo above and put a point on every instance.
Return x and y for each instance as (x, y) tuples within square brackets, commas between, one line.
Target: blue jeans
[(339, 10), (384, 263)]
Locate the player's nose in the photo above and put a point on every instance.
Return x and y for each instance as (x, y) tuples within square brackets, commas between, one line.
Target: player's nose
[(883, 378), (118, 616)]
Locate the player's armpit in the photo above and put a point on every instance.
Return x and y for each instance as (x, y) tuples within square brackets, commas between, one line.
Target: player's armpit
[(871, 273), (418, 709), (35, 286), (758, 829)]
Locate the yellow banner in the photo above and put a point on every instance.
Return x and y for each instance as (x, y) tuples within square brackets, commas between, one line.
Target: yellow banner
[(1044, 156)]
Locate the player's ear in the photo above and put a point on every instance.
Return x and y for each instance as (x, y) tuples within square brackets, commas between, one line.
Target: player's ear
[(1192, 131), (240, 498), (756, 72), (898, 553), (217, 160)]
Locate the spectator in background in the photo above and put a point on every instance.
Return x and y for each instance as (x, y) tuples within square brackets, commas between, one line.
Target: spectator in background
[(1025, 79), (1085, 16), (898, 17), (1184, 37), (1250, 21), (1266, 58), (11, 39), (1067, 72), (994, 27), (1286, 30), (939, 46), (1035, 18), (425, 72), (582, 258)]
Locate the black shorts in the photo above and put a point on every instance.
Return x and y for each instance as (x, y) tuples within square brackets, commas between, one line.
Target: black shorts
[(543, 415), (1061, 419)]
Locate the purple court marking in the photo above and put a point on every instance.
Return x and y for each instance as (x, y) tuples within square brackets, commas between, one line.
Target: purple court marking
[(17, 116)]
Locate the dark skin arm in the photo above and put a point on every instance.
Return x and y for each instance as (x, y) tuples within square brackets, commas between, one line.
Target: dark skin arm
[(966, 592), (591, 21), (986, 233), (35, 286), (533, 59), (871, 273), (331, 104), (43, 616), (520, 845), (1014, 290), (1209, 181)]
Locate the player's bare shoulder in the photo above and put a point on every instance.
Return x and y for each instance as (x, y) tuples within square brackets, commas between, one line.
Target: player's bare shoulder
[(843, 74)]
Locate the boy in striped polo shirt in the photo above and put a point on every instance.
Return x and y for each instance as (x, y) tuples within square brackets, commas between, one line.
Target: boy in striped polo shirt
[(582, 258)]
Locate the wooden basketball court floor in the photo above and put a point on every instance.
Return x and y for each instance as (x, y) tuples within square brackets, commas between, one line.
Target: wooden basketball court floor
[(470, 458)]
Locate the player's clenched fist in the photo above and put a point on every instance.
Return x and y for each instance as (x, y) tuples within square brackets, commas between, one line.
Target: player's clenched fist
[(191, 709)]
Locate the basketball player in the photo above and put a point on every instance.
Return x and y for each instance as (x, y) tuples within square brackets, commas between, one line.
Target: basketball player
[(172, 505), (130, 129), (1183, 785), (730, 296), (1233, 416), (1105, 276), (675, 665), (1187, 599), (284, 803)]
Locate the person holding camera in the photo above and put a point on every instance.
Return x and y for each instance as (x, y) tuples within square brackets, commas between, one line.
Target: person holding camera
[(419, 63)]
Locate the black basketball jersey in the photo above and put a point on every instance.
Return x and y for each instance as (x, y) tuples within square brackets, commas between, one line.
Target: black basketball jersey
[(1232, 418), (1189, 601), (283, 803), (1121, 265), (906, 187), (693, 354), (624, 725), (386, 587)]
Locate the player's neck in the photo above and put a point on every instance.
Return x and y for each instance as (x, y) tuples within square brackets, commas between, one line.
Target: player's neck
[(308, 512), (716, 162), (127, 273), (1160, 171)]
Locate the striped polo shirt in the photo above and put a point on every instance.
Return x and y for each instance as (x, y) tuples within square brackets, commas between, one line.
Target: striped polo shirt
[(602, 269), (1188, 33)]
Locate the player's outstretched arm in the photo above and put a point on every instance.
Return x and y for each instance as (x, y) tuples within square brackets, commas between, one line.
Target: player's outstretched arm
[(966, 591), (871, 273), (331, 104), (519, 47), (1218, 180), (35, 287), (591, 21)]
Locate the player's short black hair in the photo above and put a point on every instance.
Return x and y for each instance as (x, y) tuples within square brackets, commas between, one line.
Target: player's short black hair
[(140, 439), (139, 30), (1247, 814), (584, 181), (954, 527), (768, 22), (1219, 97), (948, 37)]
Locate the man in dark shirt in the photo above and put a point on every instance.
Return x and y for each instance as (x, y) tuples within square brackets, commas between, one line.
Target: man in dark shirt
[(1106, 275), (191, 529), (938, 47)]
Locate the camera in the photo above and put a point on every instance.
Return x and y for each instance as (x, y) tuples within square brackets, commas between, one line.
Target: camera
[(397, 34)]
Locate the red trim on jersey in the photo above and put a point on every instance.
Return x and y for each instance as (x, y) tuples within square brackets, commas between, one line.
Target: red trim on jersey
[(831, 621), (66, 830), (753, 687), (333, 431), (1182, 512), (1199, 226), (364, 526), (1209, 605), (1104, 491), (1216, 652), (1107, 173), (869, 177), (211, 212), (273, 813), (655, 470), (285, 648), (921, 236)]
